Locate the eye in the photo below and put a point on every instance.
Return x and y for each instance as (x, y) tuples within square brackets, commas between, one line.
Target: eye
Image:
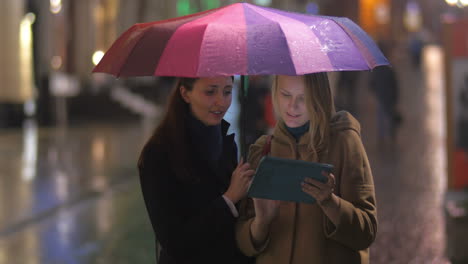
[(227, 92), (210, 92), (285, 94)]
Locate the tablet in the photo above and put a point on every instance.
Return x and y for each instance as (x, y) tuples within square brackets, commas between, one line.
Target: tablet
[(280, 179)]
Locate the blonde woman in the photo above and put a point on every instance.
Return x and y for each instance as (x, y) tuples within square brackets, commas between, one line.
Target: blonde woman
[(342, 224)]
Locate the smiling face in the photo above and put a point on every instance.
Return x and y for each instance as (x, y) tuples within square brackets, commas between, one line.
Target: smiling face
[(290, 96), (209, 99)]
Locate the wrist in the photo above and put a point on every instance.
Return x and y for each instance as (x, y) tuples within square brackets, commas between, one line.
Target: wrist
[(260, 224), (259, 232), (231, 197), (330, 202)]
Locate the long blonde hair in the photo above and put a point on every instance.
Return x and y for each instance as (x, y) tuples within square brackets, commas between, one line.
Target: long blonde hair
[(320, 107)]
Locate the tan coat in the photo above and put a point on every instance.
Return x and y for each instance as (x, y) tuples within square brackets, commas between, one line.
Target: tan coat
[(302, 234)]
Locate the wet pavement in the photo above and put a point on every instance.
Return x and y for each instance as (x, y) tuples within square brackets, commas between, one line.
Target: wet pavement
[(409, 174), (71, 194)]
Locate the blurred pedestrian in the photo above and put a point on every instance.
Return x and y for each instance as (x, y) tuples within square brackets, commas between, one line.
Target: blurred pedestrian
[(346, 91), (415, 47), (190, 177), (417, 41), (341, 226), (385, 87), (255, 124), (384, 84)]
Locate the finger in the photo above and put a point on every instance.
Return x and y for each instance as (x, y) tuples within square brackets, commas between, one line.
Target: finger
[(332, 177), (315, 183), (310, 190), (248, 173), (315, 193), (245, 166), (241, 161), (310, 186)]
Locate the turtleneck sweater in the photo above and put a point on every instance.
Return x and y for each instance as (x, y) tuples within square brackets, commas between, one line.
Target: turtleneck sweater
[(297, 132), (207, 140)]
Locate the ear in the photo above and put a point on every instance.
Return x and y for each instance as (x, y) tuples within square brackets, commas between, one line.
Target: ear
[(185, 94)]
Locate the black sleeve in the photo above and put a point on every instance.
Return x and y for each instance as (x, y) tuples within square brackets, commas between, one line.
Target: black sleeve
[(178, 228)]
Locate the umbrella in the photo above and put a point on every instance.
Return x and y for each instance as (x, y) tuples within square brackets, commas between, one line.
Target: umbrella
[(241, 39)]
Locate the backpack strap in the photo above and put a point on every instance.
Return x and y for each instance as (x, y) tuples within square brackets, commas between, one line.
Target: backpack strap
[(267, 147)]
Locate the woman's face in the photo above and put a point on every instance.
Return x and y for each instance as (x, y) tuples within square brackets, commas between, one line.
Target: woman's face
[(291, 100), (209, 99)]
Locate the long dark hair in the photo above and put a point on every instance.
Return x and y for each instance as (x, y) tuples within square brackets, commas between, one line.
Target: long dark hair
[(172, 132)]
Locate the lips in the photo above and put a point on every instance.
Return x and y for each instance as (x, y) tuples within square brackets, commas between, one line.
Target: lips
[(292, 116), (217, 113)]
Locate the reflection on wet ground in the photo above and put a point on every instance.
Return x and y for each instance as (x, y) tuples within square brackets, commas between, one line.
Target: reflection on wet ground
[(70, 195), (108, 228)]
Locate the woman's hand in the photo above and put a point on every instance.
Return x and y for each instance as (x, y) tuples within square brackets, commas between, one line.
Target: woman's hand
[(240, 182), (265, 212), (322, 192)]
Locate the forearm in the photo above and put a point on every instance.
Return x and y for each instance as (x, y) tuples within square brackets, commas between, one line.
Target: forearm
[(331, 208), (259, 232)]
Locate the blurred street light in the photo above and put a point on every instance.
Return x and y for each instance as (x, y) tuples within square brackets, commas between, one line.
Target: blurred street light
[(413, 16), (97, 56), (263, 2), (459, 3), (55, 6), (25, 29), (382, 13)]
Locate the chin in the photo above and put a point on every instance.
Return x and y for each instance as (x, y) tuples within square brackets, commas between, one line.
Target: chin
[(295, 124), (214, 122)]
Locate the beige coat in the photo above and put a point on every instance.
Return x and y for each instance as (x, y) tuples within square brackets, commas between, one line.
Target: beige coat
[(302, 234)]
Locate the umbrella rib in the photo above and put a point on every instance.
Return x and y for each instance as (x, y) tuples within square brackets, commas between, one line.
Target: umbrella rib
[(345, 30), (287, 44), (149, 25), (352, 39), (132, 49), (200, 49), (282, 33)]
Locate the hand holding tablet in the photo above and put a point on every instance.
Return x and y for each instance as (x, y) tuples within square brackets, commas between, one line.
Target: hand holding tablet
[(280, 179)]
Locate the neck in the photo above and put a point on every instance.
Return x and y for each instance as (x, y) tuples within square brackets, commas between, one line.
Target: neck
[(298, 132), (207, 139)]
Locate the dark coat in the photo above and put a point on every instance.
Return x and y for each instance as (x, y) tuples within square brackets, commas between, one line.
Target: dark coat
[(191, 221)]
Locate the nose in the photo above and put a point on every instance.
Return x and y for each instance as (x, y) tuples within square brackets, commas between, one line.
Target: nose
[(293, 104), (219, 99)]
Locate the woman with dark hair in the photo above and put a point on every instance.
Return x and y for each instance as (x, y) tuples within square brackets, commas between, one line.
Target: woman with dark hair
[(342, 224), (190, 177)]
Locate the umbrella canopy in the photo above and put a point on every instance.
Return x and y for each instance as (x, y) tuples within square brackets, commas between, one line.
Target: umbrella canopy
[(241, 39)]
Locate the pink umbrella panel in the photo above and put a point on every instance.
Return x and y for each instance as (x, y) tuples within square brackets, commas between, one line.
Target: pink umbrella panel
[(241, 39)]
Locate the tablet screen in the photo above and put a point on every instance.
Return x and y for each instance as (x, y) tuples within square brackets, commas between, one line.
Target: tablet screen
[(280, 179)]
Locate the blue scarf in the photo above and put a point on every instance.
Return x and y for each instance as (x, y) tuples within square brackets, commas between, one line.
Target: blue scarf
[(297, 132)]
